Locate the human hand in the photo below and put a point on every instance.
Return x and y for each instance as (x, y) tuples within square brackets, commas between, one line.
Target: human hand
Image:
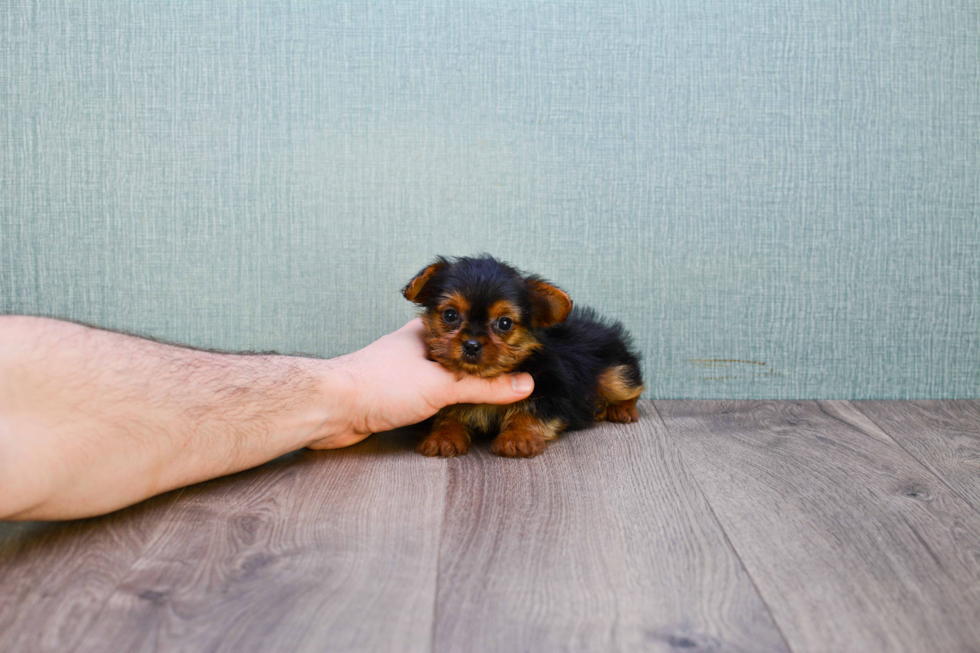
[(392, 383)]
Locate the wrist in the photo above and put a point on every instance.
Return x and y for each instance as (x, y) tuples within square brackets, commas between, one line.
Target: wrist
[(331, 417)]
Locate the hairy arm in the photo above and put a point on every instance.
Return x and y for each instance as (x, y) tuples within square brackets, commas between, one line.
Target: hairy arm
[(91, 421)]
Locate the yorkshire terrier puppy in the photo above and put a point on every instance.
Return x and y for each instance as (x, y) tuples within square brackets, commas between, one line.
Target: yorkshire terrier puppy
[(483, 317)]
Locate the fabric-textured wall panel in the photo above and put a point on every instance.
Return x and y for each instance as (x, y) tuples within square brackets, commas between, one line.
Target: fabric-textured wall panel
[(779, 199)]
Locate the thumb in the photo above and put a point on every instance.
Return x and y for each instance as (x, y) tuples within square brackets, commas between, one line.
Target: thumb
[(504, 389)]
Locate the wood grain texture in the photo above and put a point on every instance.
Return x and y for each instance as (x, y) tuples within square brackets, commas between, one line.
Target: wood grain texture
[(319, 551), (55, 577), (611, 540), (603, 543), (854, 545), (943, 435)]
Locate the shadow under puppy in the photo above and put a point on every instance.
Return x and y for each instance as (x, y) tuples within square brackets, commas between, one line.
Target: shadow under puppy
[(483, 317)]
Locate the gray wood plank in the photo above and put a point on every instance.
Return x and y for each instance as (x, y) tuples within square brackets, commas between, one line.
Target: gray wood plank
[(603, 543), (854, 545), (54, 577), (320, 551), (943, 435)]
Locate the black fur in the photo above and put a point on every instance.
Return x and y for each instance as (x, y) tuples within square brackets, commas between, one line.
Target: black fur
[(573, 355)]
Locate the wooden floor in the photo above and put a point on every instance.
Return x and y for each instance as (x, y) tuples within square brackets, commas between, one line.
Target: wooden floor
[(707, 526)]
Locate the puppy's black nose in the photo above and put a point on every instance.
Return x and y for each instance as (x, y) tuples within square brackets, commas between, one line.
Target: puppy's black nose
[(471, 347)]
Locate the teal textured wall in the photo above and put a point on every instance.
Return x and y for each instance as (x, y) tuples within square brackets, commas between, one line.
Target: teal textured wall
[(794, 185)]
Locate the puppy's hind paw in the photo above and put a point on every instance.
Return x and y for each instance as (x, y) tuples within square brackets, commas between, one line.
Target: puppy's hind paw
[(624, 413)]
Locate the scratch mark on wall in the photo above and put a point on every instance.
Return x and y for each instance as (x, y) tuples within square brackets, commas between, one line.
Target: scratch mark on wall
[(716, 362), (731, 364)]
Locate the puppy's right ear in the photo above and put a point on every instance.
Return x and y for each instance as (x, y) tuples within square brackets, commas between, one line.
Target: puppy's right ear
[(418, 289)]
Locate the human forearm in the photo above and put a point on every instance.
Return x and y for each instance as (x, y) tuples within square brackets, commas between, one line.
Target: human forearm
[(91, 421)]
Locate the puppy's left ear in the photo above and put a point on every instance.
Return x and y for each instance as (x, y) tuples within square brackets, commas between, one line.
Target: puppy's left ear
[(418, 290), (550, 304)]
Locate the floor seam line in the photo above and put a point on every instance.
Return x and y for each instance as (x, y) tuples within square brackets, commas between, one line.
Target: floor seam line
[(442, 532), (721, 526)]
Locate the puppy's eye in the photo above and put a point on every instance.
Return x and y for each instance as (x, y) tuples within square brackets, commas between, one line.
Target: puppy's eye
[(505, 323), (450, 316)]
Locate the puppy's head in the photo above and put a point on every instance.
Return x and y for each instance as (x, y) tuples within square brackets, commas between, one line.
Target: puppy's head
[(481, 315)]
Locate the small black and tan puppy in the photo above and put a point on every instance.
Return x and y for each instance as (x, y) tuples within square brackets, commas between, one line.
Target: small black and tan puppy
[(483, 317)]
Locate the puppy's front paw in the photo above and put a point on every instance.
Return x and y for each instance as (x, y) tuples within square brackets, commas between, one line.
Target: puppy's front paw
[(446, 440), (518, 443)]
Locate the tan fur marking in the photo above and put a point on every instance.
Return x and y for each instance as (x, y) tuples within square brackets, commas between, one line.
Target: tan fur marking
[(614, 387), (617, 398), (485, 417), (455, 300), (503, 307)]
